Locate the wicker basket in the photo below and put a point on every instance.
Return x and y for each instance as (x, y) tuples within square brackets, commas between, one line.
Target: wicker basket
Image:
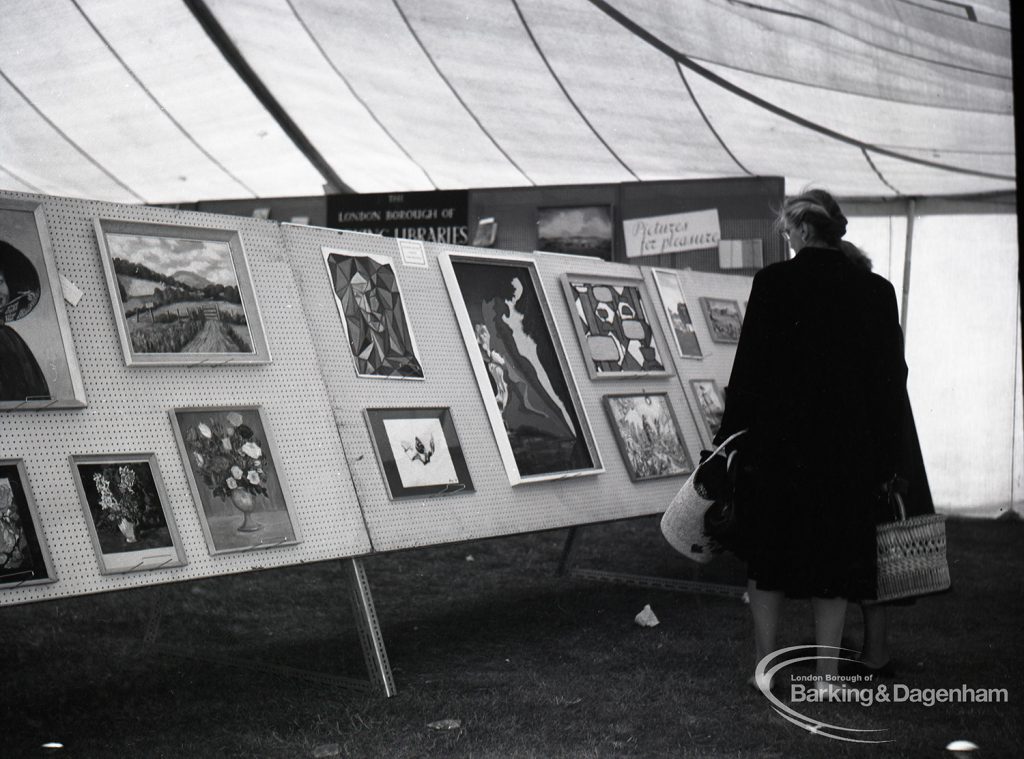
[(911, 555)]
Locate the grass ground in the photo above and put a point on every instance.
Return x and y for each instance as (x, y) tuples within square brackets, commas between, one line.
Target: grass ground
[(530, 664)]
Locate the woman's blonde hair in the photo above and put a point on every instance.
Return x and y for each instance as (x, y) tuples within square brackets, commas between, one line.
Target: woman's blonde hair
[(818, 209)]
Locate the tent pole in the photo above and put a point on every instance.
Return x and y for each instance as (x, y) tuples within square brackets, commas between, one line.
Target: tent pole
[(906, 265)]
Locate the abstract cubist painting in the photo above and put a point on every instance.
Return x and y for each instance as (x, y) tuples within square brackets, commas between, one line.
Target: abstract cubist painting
[(614, 327), (24, 559), (678, 314), (523, 377), (182, 295), (372, 311), (723, 318), (648, 436)]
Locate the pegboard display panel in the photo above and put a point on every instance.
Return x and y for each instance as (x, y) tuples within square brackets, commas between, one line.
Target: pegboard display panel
[(127, 412), (495, 508), (718, 357)]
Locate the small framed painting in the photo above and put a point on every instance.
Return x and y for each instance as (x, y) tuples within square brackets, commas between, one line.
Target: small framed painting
[(373, 314), (678, 313), (711, 404), (240, 490), (723, 318), (648, 436), (182, 295), (125, 504), (38, 367), (527, 388), (614, 325), (579, 230), (418, 451), (24, 559)]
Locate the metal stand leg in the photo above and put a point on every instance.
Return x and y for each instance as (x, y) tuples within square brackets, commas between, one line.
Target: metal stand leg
[(568, 551), (377, 665)]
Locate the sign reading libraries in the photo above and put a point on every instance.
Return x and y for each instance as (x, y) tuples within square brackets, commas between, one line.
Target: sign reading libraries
[(429, 216)]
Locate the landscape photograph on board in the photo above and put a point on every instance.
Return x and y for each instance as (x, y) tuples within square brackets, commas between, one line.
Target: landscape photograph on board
[(580, 230), (181, 295)]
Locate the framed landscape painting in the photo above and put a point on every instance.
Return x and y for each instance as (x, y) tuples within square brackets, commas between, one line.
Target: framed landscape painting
[(723, 318), (648, 436), (418, 451), (711, 404), (24, 559), (528, 391), (240, 490), (580, 230), (38, 368), (613, 323), (372, 312), (678, 313), (181, 295), (125, 504)]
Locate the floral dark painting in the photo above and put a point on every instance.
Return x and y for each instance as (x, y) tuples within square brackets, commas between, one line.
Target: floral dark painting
[(126, 508), (537, 409), (240, 491), (23, 558), (373, 314), (648, 436)]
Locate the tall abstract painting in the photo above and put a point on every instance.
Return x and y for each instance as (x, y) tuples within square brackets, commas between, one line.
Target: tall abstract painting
[(372, 311)]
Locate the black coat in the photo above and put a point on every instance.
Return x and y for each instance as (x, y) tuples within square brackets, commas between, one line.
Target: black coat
[(820, 381)]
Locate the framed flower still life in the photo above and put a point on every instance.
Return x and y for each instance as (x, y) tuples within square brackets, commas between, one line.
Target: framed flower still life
[(648, 436), (24, 559), (125, 503), (241, 492), (418, 451)]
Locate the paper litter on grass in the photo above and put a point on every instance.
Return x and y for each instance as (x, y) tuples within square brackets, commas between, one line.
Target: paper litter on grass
[(646, 618)]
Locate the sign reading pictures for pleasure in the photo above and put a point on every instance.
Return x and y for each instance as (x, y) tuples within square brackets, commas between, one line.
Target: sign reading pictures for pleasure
[(678, 313), (241, 492), (648, 436), (672, 233), (38, 368), (182, 294), (418, 451), (126, 509), (373, 314), (615, 332), (23, 556), (523, 377)]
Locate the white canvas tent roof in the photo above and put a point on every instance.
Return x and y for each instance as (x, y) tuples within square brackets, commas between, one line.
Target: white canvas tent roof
[(137, 102)]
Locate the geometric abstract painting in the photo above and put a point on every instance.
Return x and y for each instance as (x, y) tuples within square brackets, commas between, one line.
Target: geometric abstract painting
[(371, 309)]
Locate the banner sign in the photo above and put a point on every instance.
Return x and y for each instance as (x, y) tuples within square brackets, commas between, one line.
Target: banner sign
[(673, 233), (429, 216)]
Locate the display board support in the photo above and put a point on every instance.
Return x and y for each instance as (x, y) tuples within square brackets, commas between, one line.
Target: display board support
[(639, 581), (380, 681)]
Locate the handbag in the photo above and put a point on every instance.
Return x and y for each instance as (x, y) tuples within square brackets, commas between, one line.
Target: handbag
[(911, 552), (682, 524), (721, 520)]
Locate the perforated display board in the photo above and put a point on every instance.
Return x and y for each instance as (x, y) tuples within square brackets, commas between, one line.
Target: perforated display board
[(128, 408)]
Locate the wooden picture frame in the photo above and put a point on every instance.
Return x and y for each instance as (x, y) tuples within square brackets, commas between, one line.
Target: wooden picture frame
[(647, 432), (723, 319), (495, 300), (38, 366), (418, 451), (239, 489), (127, 511), (711, 403), (616, 328), (24, 557), (372, 310), (677, 311), (182, 296)]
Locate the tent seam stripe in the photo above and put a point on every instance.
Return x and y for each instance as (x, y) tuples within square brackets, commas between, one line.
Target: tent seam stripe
[(685, 60), (879, 173), (348, 85), (565, 92), (71, 142), (25, 182), (158, 104), (708, 121), (455, 93)]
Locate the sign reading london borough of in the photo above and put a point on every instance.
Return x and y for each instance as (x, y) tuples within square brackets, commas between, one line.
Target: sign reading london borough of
[(439, 216), (673, 233)]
